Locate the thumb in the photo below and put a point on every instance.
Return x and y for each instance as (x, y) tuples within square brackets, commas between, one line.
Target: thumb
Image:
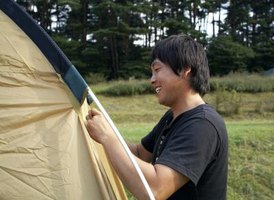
[(93, 112)]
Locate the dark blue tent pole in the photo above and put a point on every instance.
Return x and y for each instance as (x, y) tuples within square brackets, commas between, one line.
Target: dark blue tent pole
[(53, 53)]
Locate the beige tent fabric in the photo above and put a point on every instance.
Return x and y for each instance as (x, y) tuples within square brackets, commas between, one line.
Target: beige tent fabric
[(45, 151)]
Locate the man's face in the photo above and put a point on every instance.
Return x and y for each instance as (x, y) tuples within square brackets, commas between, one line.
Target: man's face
[(167, 85)]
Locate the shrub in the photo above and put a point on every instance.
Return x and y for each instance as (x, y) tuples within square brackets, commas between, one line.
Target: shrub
[(127, 88), (94, 78), (228, 102)]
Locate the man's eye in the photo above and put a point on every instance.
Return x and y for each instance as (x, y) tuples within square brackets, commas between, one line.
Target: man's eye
[(157, 69)]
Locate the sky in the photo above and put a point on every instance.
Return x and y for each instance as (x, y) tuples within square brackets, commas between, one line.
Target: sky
[(209, 26)]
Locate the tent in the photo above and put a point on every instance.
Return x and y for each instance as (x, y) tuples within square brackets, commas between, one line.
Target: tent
[(45, 150), (269, 72)]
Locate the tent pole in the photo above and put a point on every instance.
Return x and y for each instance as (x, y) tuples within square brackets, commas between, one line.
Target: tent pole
[(122, 141)]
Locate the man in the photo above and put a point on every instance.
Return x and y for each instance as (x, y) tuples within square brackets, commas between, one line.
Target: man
[(185, 155)]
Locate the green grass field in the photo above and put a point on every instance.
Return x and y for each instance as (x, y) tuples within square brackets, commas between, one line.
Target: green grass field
[(250, 129), (251, 158)]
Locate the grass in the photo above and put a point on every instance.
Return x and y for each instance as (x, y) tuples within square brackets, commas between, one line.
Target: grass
[(251, 136), (251, 158)]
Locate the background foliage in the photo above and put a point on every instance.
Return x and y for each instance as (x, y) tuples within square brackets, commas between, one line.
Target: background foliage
[(113, 38)]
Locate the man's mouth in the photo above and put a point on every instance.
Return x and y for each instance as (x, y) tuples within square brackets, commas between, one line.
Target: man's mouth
[(157, 89)]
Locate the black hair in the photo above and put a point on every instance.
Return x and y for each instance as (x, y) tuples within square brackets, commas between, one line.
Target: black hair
[(182, 52)]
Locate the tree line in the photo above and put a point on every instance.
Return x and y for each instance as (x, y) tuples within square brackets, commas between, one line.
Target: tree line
[(113, 38)]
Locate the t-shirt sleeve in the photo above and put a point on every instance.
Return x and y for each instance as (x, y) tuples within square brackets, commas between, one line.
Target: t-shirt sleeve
[(190, 149)]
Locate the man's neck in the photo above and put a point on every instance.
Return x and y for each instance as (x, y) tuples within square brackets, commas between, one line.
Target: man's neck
[(188, 103)]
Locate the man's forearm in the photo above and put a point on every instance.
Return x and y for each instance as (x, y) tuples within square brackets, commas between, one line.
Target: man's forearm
[(134, 149), (125, 169)]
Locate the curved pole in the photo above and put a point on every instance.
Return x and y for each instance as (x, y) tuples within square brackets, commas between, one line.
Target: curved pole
[(92, 97)]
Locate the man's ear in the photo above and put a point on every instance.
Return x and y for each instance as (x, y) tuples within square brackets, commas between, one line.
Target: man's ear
[(185, 73)]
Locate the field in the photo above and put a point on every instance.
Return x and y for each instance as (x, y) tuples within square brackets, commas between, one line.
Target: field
[(250, 123)]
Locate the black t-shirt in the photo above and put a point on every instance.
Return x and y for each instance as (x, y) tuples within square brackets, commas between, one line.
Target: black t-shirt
[(196, 145)]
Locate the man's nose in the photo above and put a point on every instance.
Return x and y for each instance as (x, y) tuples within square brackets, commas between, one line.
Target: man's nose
[(152, 79)]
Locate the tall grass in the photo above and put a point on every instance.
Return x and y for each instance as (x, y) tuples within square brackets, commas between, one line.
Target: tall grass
[(228, 94), (250, 83), (127, 88)]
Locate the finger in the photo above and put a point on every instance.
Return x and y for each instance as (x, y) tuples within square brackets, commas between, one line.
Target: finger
[(88, 117), (93, 112)]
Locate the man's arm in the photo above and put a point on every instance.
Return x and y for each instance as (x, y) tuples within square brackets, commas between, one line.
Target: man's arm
[(162, 180), (139, 151)]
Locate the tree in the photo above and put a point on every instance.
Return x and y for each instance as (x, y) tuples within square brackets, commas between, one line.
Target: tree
[(99, 35), (251, 23), (226, 56), (214, 6), (40, 11), (264, 58)]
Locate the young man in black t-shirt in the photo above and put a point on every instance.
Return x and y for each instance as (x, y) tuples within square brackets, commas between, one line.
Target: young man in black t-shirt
[(185, 155)]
